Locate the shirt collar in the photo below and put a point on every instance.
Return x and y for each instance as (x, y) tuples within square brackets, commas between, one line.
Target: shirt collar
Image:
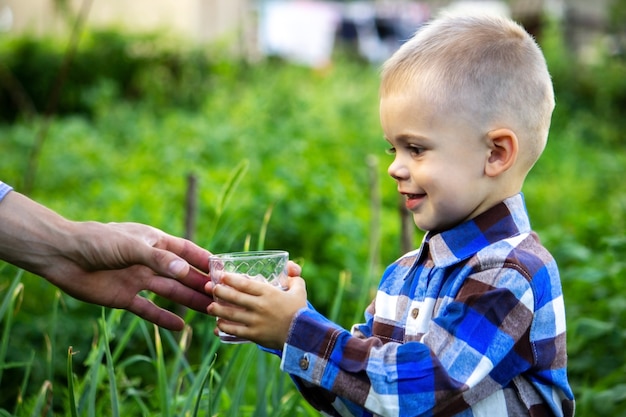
[(504, 220)]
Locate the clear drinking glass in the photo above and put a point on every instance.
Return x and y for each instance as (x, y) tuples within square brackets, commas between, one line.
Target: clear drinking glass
[(268, 266)]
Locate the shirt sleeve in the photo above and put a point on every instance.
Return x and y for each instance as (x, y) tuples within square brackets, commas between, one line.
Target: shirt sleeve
[(480, 337), (4, 190)]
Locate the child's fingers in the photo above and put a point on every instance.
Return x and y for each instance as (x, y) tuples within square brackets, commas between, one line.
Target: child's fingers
[(229, 295), (241, 292), (232, 328), (243, 284), (228, 312), (296, 284), (293, 269)]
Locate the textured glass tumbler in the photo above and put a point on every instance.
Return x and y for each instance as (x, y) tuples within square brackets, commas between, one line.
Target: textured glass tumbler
[(268, 266)]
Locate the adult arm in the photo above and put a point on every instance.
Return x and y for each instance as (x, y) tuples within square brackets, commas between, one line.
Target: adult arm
[(105, 264)]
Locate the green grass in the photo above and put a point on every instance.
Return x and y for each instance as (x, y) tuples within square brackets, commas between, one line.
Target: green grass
[(173, 380)]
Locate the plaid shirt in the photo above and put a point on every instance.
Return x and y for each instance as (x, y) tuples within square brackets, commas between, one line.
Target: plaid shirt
[(470, 324), (4, 190)]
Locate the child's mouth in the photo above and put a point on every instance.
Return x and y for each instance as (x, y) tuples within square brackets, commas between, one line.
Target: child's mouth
[(413, 200)]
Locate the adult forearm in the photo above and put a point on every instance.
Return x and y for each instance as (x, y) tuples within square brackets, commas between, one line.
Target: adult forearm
[(31, 235)]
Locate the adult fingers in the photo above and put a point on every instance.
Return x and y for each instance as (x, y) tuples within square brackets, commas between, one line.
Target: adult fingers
[(175, 291), (165, 254), (186, 249), (195, 279), (168, 264), (147, 310)]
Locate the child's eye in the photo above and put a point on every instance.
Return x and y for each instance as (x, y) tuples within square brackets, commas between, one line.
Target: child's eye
[(415, 150), (391, 151)]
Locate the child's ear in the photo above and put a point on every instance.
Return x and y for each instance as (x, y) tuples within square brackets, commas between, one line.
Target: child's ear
[(504, 148)]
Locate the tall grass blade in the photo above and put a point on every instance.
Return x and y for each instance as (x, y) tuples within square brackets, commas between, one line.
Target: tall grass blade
[(52, 337), (264, 225), (132, 392), (246, 243), (10, 295), (231, 185), (292, 404), (226, 194), (28, 366), (125, 338), (271, 384), (223, 379), (261, 385), (115, 403), (42, 403), (161, 374), (240, 381), (207, 364), (93, 377), (179, 362), (344, 278), (194, 392), (11, 299), (70, 383)]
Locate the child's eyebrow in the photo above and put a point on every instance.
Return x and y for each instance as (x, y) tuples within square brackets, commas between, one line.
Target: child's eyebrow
[(406, 138)]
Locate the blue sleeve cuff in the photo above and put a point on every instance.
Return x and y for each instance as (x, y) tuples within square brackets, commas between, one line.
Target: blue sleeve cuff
[(4, 190), (311, 341)]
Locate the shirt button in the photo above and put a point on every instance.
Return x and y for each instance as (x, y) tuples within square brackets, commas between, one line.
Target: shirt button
[(415, 312), (304, 363)]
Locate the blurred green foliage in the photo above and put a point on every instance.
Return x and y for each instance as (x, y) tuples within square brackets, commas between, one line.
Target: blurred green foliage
[(140, 113)]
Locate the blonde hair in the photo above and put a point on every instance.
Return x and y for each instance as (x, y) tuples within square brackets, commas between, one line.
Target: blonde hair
[(487, 68)]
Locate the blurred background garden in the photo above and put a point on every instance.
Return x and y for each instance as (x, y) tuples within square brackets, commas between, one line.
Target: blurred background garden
[(254, 124)]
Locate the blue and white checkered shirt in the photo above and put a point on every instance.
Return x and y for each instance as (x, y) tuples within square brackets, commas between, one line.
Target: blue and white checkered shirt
[(4, 190), (471, 324)]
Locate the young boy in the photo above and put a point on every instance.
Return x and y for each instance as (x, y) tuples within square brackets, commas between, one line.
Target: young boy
[(472, 323)]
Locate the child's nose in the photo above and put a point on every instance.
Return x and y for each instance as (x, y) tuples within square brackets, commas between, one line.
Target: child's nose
[(397, 170)]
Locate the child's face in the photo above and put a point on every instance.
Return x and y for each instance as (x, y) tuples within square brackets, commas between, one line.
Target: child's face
[(439, 162)]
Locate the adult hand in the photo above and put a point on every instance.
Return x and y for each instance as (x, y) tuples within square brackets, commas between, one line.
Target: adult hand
[(256, 311), (105, 264), (119, 260)]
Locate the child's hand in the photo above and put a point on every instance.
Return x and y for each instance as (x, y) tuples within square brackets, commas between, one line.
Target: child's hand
[(258, 312)]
